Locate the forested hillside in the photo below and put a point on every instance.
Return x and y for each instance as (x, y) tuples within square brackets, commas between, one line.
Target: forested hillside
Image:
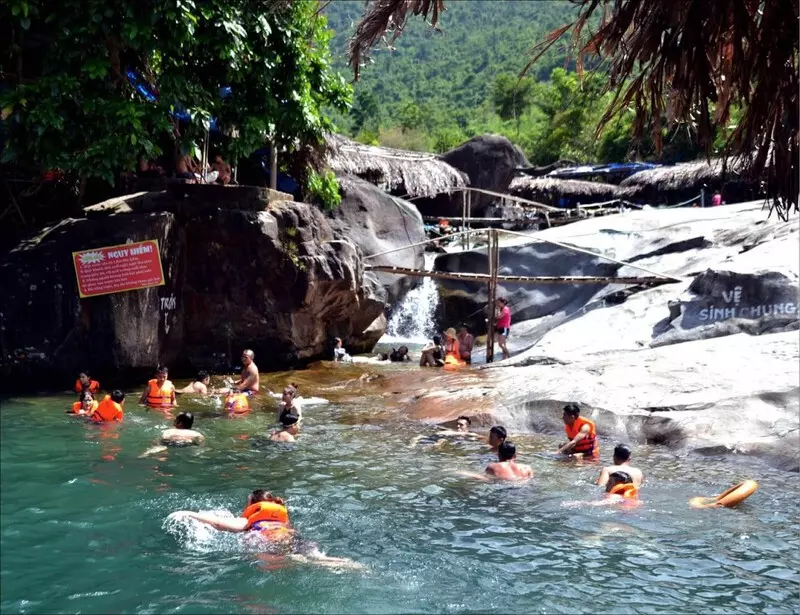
[(437, 89)]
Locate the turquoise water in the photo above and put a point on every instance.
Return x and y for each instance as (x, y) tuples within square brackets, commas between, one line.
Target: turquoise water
[(83, 520)]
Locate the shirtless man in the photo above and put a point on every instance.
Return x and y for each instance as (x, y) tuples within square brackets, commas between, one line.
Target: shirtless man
[(180, 435), (465, 343), (289, 431), (507, 467), (248, 382), (622, 455), (199, 386), (461, 432)]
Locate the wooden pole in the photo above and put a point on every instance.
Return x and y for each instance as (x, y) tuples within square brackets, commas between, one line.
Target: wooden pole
[(463, 218), (273, 165), (492, 254), (469, 214)]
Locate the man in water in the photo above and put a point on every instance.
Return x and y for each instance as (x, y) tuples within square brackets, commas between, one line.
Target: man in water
[(248, 382), (399, 355), (267, 515), (497, 435), (507, 468), (181, 434), (461, 432), (199, 386), (465, 343), (110, 409), (290, 429), (160, 392), (622, 455), (620, 490), (581, 433), (433, 354)]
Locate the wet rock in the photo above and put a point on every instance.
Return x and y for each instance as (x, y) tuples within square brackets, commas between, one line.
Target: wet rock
[(275, 281)]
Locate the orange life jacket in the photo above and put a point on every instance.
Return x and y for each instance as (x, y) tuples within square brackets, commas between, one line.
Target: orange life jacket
[(626, 490), (452, 360), (78, 406), (589, 444), (159, 396), (94, 386), (269, 518), (237, 404), (107, 410)]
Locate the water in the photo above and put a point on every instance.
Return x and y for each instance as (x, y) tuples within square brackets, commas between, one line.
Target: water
[(83, 519), (413, 321)]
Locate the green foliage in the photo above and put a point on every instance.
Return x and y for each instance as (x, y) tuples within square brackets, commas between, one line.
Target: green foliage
[(73, 108), (511, 96), (324, 188)]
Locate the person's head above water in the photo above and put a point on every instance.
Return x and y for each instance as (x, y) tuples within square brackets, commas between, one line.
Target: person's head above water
[(289, 393), (202, 376), (248, 356), (87, 396), (117, 396), (463, 423), (403, 350), (621, 454), (437, 339), (617, 478), (84, 378), (571, 412), (262, 495), (506, 451), (497, 435), (161, 374), (184, 420)]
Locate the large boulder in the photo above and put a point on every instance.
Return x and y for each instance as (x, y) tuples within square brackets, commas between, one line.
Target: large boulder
[(490, 162), (273, 280), (376, 222)]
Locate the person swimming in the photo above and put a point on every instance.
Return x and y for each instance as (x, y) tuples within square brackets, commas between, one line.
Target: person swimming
[(506, 467), (622, 455), (289, 403), (85, 406), (620, 491), (199, 386), (497, 435), (267, 517), (461, 432), (110, 409), (290, 429), (181, 434)]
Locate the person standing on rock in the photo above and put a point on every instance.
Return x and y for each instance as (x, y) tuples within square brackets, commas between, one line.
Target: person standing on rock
[(622, 455), (503, 325), (582, 435), (248, 381), (465, 344)]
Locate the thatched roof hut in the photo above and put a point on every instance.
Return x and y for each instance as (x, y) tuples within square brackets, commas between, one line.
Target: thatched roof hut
[(679, 182), (562, 192), (400, 172)]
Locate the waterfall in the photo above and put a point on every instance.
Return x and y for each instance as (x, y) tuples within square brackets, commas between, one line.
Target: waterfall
[(413, 320)]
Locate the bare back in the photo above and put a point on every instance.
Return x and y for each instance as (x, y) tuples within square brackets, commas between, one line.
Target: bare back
[(282, 436), (181, 437), (509, 470)]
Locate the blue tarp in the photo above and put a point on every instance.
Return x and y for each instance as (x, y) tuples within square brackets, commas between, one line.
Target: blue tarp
[(617, 169)]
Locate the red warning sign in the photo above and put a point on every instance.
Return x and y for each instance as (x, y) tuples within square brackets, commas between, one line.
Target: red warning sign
[(117, 269)]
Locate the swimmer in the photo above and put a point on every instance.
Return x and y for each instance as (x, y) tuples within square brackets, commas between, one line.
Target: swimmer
[(85, 406), (249, 380), (497, 435), (507, 468), (622, 455), (267, 516), (160, 392), (110, 409), (581, 433), (289, 431), (289, 403), (199, 386), (619, 491), (181, 434), (399, 355), (85, 383), (460, 432)]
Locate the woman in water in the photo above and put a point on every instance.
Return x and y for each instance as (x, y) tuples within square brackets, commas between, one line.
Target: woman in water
[(289, 403), (266, 516)]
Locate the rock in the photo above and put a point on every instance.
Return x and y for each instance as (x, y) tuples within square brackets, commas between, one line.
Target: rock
[(375, 222), (275, 281)]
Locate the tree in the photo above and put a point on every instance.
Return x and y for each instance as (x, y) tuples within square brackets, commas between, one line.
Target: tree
[(260, 68), (511, 96), (692, 61), (365, 112)]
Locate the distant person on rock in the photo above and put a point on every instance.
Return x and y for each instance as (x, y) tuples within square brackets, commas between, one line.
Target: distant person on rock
[(507, 468), (290, 429), (433, 354), (622, 455), (582, 435), (503, 325), (339, 353), (716, 200), (497, 435), (465, 343), (248, 382), (181, 434), (199, 386)]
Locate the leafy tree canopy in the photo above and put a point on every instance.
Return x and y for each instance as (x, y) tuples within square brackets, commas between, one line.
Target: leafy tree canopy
[(71, 106)]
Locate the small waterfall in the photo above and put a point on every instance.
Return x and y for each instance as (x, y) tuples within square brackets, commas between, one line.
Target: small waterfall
[(413, 320)]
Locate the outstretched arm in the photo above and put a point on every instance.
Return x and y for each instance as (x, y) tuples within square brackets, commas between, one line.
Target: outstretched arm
[(224, 524)]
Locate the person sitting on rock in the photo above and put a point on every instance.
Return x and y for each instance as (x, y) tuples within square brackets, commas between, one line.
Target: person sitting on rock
[(465, 343), (339, 353), (622, 455), (451, 346), (223, 169), (199, 386), (289, 431), (433, 354)]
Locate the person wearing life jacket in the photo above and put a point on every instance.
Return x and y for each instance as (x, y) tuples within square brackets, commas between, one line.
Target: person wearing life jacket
[(110, 409), (620, 491), (581, 433), (85, 383), (290, 429), (85, 406), (236, 402), (622, 455), (160, 392)]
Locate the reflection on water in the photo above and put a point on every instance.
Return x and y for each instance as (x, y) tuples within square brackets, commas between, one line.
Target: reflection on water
[(84, 533)]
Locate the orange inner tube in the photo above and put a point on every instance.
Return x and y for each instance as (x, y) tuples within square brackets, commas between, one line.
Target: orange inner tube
[(728, 499)]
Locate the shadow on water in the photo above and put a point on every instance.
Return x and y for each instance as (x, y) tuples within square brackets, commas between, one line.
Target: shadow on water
[(83, 516)]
